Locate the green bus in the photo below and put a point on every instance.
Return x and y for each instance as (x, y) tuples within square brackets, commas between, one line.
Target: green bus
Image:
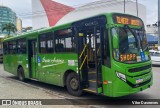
[(105, 54)]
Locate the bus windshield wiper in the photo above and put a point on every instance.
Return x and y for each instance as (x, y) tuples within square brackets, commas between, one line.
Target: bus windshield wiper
[(133, 33), (146, 46)]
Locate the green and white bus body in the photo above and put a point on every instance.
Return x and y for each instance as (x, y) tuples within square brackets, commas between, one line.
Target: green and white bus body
[(106, 54)]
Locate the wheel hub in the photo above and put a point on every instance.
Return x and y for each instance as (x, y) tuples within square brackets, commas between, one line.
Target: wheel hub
[(74, 84)]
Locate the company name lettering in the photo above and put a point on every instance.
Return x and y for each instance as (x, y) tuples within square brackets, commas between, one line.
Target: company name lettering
[(44, 60)]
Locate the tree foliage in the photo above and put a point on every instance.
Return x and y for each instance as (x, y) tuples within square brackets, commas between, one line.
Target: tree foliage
[(9, 27)]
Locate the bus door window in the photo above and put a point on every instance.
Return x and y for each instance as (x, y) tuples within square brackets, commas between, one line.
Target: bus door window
[(90, 47), (98, 34), (106, 52), (33, 48)]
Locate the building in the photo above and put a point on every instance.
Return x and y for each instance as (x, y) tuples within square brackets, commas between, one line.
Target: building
[(26, 29), (50, 13), (6, 16), (152, 41), (152, 35), (152, 29), (19, 25), (47, 13)]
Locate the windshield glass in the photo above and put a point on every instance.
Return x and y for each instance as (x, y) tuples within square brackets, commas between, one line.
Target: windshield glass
[(131, 45)]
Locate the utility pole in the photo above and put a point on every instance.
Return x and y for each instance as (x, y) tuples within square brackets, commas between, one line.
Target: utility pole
[(124, 6), (137, 7), (159, 23)]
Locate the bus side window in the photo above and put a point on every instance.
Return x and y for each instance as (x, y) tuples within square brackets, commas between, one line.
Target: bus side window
[(65, 45), (59, 47), (12, 47), (64, 41), (46, 43), (21, 46), (5, 48)]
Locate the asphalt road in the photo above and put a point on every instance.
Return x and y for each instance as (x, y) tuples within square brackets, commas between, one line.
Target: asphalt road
[(38, 90)]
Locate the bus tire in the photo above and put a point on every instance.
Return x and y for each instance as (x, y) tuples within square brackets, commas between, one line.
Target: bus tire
[(21, 76), (72, 85)]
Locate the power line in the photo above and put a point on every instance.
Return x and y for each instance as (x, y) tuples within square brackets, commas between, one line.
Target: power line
[(30, 14), (92, 6), (42, 12)]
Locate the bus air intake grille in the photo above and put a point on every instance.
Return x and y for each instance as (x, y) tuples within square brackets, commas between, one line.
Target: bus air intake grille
[(139, 68)]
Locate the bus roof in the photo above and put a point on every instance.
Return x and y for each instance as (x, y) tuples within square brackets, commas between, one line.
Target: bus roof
[(46, 29)]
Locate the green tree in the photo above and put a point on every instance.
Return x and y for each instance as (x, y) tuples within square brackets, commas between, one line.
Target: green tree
[(9, 27)]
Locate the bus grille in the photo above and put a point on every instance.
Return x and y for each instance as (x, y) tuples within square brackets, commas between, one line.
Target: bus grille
[(139, 68)]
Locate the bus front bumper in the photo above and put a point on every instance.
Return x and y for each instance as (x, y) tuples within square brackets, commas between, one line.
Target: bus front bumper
[(121, 88)]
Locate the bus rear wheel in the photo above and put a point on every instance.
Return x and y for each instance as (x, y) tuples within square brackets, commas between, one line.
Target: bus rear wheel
[(72, 84), (21, 74)]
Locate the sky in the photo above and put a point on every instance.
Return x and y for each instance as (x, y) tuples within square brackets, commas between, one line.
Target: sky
[(23, 8)]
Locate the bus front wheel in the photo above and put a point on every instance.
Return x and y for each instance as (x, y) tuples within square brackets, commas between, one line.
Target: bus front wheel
[(73, 85), (21, 74)]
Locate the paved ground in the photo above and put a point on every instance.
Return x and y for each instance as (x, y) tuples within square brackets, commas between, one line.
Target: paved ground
[(11, 88)]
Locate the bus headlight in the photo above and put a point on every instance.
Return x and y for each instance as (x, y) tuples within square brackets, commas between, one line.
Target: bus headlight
[(121, 76)]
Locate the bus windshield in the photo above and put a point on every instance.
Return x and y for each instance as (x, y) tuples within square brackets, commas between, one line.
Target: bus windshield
[(132, 45)]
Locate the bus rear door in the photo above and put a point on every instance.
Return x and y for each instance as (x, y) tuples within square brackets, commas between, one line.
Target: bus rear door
[(32, 58)]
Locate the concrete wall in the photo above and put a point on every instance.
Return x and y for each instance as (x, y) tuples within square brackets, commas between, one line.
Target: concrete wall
[(95, 8), (39, 18), (98, 8)]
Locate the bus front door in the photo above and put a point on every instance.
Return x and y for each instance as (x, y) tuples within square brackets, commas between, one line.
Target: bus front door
[(32, 59), (90, 44)]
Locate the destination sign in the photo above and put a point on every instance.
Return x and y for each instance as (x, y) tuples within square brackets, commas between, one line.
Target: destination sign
[(128, 57), (64, 32), (128, 20), (90, 22)]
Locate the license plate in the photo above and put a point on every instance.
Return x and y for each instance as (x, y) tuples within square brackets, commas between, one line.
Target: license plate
[(139, 80)]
